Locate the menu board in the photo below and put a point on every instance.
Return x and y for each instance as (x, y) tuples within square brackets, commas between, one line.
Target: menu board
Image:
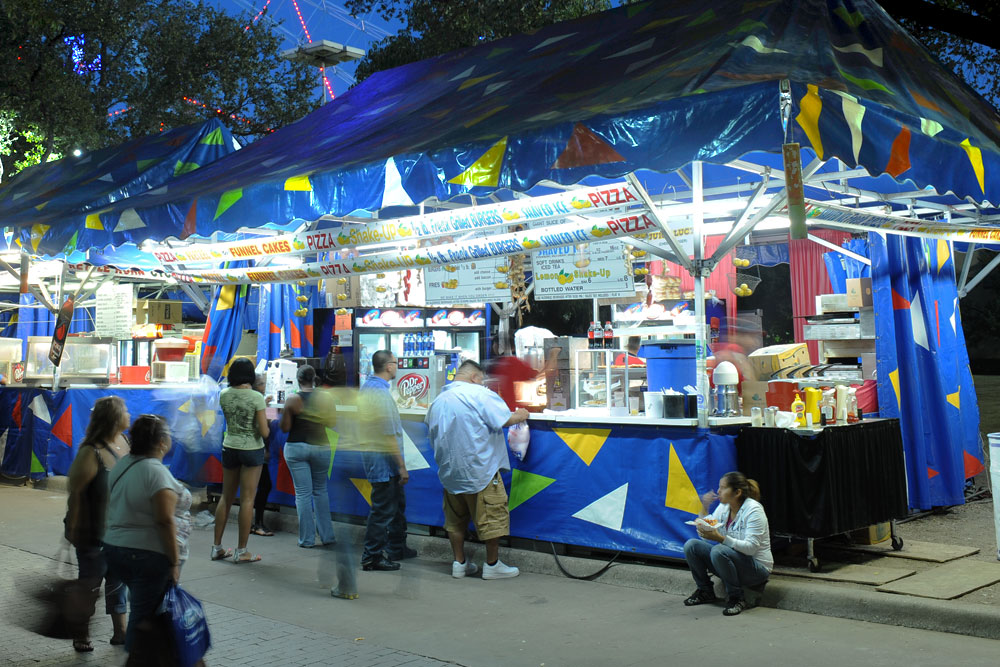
[(113, 312), (598, 270), (481, 281)]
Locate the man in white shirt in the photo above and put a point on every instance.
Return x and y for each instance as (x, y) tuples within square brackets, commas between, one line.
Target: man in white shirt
[(465, 425)]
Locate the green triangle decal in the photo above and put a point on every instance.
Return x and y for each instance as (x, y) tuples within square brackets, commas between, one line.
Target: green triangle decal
[(333, 437), (635, 9), (228, 198), (36, 465), (524, 485), (213, 138), (143, 165), (71, 246), (184, 167)]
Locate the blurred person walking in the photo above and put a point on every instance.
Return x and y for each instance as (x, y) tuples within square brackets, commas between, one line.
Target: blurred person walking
[(465, 426), (264, 485), (381, 433), (243, 456), (308, 455), (103, 444)]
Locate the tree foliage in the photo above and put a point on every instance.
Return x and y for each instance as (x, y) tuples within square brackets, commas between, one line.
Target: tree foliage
[(162, 63), (431, 27)]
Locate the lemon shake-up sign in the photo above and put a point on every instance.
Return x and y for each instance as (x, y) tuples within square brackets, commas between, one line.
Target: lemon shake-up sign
[(595, 270)]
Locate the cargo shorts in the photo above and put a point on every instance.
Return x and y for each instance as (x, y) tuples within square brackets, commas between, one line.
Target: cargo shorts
[(486, 509)]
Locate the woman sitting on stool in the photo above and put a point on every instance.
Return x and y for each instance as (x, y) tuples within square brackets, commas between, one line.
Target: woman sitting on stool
[(742, 557)]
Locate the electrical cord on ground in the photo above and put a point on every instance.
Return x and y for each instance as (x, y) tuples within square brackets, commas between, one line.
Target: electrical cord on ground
[(587, 577)]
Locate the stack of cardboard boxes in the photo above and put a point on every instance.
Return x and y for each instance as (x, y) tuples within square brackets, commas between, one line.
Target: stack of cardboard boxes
[(769, 363)]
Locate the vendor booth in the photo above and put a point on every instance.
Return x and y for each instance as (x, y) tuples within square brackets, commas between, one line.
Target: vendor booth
[(628, 156)]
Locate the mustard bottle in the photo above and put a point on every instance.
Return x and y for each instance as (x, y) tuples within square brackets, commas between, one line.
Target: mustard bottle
[(799, 408)]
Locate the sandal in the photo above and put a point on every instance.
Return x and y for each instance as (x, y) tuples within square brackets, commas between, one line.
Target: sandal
[(335, 592), (262, 531), (117, 642), (221, 554), (246, 557), (82, 646)]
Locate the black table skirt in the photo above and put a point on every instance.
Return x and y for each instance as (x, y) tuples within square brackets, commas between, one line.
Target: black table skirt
[(840, 479)]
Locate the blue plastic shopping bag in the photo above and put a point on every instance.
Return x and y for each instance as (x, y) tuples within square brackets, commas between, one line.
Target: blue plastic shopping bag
[(191, 634)]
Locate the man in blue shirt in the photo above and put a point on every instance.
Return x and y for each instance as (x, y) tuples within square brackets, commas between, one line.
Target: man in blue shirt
[(381, 433), (465, 426)]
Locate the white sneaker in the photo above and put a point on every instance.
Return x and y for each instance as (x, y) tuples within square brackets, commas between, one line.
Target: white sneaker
[(459, 570), (499, 571)]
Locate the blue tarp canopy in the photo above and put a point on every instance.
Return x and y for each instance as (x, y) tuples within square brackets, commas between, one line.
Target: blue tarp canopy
[(55, 206), (648, 86)]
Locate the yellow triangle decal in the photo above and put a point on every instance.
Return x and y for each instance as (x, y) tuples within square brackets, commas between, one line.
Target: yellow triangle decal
[(364, 488), (486, 170), (894, 379), (227, 297), (811, 105), (954, 399), (299, 184), (38, 231), (943, 253), (94, 222), (681, 494), (185, 407), (333, 438), (207, 420), (976, 159), (585, 442), (473, 81)]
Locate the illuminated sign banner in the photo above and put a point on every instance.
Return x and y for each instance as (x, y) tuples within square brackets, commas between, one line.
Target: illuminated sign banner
[(842, 217), (548, 208), (500, 245)]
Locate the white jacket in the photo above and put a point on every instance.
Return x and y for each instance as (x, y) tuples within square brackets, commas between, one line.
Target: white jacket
[(748, 533)]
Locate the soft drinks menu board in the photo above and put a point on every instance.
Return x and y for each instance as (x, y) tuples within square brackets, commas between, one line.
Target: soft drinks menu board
[(113, 313), (482, 281), (587, 271)]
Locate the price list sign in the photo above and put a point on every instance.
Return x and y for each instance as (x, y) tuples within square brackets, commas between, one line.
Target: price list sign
[(588, 271), (482, 281), (113, 316)]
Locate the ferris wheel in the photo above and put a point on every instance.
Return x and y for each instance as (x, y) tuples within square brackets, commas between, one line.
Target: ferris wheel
[(314, 22)]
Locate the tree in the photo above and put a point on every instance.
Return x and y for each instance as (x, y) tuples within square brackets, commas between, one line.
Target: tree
[(431, 28), (964, 36), (91, 73)]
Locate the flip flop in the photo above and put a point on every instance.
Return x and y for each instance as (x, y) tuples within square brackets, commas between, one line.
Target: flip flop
[(221, 554), (82, 646), (246, 557), (263, 532)]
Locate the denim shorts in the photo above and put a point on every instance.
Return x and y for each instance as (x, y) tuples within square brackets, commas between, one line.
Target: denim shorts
[(247, 458)]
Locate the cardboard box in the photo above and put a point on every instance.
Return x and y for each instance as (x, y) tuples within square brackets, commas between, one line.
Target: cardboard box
[(859, 292), (880, 532), (767, 360), (160, 311), (754, 395), (346, 294)]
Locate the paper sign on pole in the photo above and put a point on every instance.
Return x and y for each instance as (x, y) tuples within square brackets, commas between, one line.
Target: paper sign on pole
[(113, 312)]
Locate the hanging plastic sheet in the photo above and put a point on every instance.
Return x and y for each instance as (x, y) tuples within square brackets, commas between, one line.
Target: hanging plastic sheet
[(840, 267), (224, 327), (278, 326), (923, 367)]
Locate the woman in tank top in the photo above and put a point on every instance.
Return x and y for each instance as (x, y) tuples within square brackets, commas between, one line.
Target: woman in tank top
[(103, 444)]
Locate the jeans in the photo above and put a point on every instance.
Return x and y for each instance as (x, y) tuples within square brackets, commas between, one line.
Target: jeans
[(736, 570), (308, 465), (386, 528), (94, 568), (147, 575)]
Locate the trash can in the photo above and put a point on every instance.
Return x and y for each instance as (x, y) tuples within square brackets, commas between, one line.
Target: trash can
[(669, 365), (995, 483)]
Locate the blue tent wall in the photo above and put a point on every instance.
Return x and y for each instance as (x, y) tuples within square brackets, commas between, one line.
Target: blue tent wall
[(923, 367), (278, 326)]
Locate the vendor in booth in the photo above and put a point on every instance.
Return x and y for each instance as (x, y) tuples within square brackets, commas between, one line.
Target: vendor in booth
[(630, 358), (505, 370)]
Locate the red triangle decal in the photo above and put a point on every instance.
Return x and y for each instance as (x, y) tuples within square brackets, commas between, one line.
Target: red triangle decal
[(284, 481), (275, 329), (17, 411), (309, 332), (63, 428), (296, 343), (898, 302), (584, 149), (211, 472), (973, 466), (190, 221), (899, 158), (932, 473)]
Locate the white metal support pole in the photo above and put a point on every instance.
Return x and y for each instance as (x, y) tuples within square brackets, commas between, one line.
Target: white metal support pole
[(970, 254), (701, 343)]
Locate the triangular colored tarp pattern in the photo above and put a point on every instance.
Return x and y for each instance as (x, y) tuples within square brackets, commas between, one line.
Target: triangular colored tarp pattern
[(63, 428), (524, 486), (36, 465), (584, 149), (486, 170), (364, 487), (211, 471), (681, 494), (608, 510), (585, 442)]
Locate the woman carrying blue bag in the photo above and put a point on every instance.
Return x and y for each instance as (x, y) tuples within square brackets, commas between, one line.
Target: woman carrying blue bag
[(146, 544)]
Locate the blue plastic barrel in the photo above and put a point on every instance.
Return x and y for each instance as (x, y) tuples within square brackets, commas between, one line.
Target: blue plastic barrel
[(670, 365)]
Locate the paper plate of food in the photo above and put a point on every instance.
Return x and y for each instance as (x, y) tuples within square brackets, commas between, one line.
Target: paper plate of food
[(705, 522)]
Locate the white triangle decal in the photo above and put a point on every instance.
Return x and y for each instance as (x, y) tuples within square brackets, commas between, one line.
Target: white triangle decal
[(41, 410), (954, 319), (648, 44), (412, 457), (107, 177), (917, 323), (464, 75), (129, 220), (552, 40), (607, 511), (17, 195), (393, 194), (491, 88)]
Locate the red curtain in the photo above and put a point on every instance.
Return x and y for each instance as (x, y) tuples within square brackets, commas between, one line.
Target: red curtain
[(807, 273)]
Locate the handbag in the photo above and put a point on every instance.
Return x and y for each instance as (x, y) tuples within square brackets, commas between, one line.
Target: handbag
[(190, 627)]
